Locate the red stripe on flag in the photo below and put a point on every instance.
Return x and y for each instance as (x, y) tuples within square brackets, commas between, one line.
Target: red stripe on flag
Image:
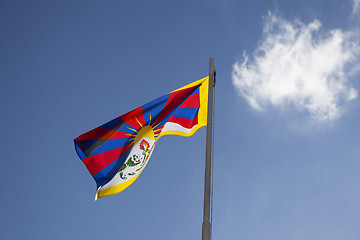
[(185, 122), (118, 135), (192, 101), (174, 101), (98, 162), (134, 118)]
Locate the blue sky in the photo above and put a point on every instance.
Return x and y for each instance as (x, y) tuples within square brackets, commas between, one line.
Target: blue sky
[(286, 122)]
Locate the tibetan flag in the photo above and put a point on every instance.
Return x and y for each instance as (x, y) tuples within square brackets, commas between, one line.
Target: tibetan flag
[(116, 153)]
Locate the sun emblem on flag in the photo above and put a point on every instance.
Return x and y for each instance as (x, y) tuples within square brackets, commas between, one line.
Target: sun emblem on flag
[(142, 141), (150, 130)]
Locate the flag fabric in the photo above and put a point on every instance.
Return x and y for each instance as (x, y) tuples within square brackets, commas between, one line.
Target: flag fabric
[(117, 152)]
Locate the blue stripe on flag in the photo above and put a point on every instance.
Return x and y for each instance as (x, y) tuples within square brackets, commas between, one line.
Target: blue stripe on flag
[(154, 108), (104, 145), (80, 153), (189, 113)]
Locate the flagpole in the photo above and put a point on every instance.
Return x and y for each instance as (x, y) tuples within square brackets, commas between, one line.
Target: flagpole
[(207, 219)]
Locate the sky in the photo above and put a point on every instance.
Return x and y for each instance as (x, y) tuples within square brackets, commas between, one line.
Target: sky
[(287, 108)]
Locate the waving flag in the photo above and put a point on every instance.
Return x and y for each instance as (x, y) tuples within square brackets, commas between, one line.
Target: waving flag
[(116, 153)]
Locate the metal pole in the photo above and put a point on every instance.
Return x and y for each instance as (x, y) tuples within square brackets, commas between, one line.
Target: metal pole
[(206, 226)]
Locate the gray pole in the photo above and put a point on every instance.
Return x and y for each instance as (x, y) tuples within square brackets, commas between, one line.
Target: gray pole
[(206, 226)]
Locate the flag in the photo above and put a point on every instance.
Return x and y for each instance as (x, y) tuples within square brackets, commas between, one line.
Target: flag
[(117, 152)]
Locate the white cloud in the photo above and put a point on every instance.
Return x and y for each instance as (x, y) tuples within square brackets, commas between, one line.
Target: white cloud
[(296, 65), (356, 5)]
